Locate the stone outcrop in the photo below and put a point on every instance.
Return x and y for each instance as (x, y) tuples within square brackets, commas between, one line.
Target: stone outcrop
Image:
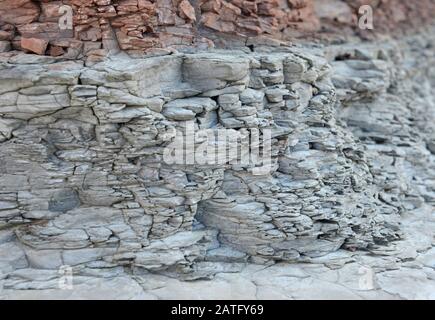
[(335, 142), (84, 182), (146, 25)]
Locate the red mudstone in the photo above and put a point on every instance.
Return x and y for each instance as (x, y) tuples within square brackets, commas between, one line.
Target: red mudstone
[(55, 51), (34, 45), (145, 25)]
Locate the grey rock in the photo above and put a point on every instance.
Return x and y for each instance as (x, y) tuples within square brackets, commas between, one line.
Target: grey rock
[(5, 46), (84, 182)]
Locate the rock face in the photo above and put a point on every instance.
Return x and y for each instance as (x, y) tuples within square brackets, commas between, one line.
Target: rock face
[(117, 164), (85, 180), (139, 26)]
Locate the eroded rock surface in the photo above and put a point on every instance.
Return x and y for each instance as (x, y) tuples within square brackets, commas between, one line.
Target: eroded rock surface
[(83, 181), (340, 206)]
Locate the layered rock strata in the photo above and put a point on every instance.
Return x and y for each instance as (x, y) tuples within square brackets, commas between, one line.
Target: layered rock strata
[(138, 26), (84, 181), (98, 27)]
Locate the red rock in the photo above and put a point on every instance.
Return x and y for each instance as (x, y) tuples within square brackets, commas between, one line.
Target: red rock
[(187, 10), (50, 11), (140, 26), (5, 46), (6, 35), (213, 21), (56, 51), (212, 6), (18, 12), (34, 45)]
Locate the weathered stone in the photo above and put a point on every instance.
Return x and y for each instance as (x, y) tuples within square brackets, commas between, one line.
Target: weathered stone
[(197, 69), (154, 27), (35, 45), (11, 258), (5, 46), (44, 259), (85, 181)]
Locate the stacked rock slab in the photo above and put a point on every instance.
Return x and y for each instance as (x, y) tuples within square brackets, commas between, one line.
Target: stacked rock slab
[(393, 119), (98, 27), (139, 26), (84, 131)]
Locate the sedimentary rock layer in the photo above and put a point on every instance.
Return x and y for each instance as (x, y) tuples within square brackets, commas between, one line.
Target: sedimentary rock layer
[(83, 180), (151, 26)]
